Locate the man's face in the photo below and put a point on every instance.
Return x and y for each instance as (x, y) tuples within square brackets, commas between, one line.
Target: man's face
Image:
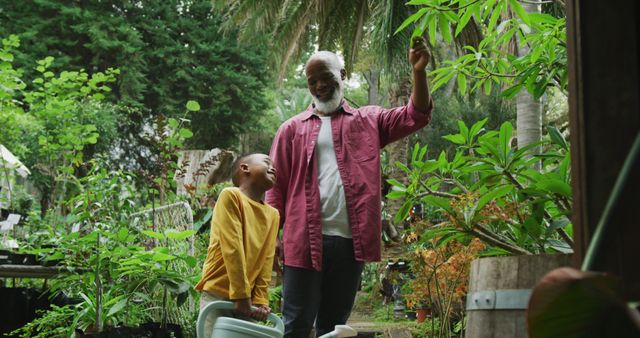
[(325, 86), (321, 81)]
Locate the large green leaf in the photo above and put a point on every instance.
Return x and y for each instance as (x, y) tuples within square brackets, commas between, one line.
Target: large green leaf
[(477, 128), (555, 186), (506, 131), (520, 12), (493, 194), (154, 234), (456, 139), (557, 138), (464, 130), (193, 105), (413, 18), (439, 202), (117, 307), (179, 235), (396, 194), (403, 213)]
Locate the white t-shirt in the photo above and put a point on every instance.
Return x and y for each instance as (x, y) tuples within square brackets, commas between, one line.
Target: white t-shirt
[(335, 220)]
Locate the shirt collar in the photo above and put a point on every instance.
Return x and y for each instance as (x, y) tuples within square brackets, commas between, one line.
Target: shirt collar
[(344, 108)]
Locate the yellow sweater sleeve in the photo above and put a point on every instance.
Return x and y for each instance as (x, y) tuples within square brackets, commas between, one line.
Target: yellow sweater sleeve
[(229, 228), (261, 288)]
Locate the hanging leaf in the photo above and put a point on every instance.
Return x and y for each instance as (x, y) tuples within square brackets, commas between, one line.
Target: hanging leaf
[(186, 133), (413, 18), (457, 139), (153, 234), (506, 131), (520, 12), (396, 194), (180, 235), (462, 84), (493, 194), (193, 105), (439, 202), (557, 138)]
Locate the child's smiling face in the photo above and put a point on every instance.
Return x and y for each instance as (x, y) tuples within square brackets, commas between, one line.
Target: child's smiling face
[(261, 170)]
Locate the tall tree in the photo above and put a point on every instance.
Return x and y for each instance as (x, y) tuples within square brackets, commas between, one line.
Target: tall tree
[(167, 51), (523, 50), (528, 108)]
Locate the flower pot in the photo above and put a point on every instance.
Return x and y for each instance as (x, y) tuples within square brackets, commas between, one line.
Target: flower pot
[(159, 332), (499, 289), (411, 315), (19, 306), (422, 314), (23, 259), (117, 332)]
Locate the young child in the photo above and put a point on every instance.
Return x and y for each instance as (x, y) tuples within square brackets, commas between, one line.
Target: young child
[(242, 244)]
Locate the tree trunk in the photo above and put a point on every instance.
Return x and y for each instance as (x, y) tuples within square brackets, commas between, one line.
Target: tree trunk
[(528, 109), (372, 76)]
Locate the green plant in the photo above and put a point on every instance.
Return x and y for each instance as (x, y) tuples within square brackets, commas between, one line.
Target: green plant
[(164, 265), (275, 299), (488, 189), (51, 323), (427, 329), (494, 61), (440, 282), (169, 137)]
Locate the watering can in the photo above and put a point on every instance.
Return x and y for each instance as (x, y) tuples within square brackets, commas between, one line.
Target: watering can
[(227, 327)]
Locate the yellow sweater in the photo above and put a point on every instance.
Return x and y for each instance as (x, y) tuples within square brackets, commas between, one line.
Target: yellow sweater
[(241, 249)]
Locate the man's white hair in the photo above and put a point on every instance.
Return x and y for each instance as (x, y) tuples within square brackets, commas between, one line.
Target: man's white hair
[(332, 60)]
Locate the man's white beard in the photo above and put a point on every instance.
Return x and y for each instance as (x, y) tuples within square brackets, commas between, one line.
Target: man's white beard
[(331, 105)]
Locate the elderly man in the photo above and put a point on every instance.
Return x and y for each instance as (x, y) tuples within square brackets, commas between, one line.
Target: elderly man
[(328, 190)]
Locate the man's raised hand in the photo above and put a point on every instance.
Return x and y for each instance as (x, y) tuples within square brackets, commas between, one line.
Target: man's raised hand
[(419, 56)]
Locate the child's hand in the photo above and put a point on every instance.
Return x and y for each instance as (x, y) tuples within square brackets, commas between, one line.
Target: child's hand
[(261, 312), (242, 307)]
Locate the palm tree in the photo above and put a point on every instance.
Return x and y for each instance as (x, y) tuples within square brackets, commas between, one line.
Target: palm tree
[(295, 26), (528, 109)]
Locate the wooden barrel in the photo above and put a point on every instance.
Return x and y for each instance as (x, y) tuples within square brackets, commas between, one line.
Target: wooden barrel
[(499, 289)]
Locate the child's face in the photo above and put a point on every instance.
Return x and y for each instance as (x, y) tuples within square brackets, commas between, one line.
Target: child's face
[(261, 171)]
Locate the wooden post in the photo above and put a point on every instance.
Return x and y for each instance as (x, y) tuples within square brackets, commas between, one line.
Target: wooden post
[(604, 109)]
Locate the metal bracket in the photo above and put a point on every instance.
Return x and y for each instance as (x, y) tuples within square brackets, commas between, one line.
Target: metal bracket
[(514, 299)]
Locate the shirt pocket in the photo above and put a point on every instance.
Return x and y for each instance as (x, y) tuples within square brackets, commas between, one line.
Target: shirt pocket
[(360, 141)]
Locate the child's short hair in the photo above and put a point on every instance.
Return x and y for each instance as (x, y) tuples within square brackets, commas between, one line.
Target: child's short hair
[(235, 168)]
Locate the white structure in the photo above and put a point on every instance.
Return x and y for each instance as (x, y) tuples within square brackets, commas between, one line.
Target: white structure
[(9, 166)]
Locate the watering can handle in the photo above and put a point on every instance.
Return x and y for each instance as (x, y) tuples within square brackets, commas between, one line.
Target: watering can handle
[(225, 305)]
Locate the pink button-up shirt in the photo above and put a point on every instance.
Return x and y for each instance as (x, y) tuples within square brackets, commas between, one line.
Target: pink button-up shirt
[(358, 136)]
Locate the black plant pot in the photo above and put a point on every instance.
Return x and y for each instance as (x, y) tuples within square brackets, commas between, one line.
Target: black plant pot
[(117, 332), (158, 332), (411, 315), (19, 306), (23, 259), (10, 257)]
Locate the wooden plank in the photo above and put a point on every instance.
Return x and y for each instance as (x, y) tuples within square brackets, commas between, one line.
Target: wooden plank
[(604, 110)]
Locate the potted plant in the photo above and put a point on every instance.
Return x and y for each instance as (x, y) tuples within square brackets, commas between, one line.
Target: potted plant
[(515, 200), (163, 274)]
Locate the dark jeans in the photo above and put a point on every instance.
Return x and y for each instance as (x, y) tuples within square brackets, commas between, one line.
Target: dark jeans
[(327, 296)]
